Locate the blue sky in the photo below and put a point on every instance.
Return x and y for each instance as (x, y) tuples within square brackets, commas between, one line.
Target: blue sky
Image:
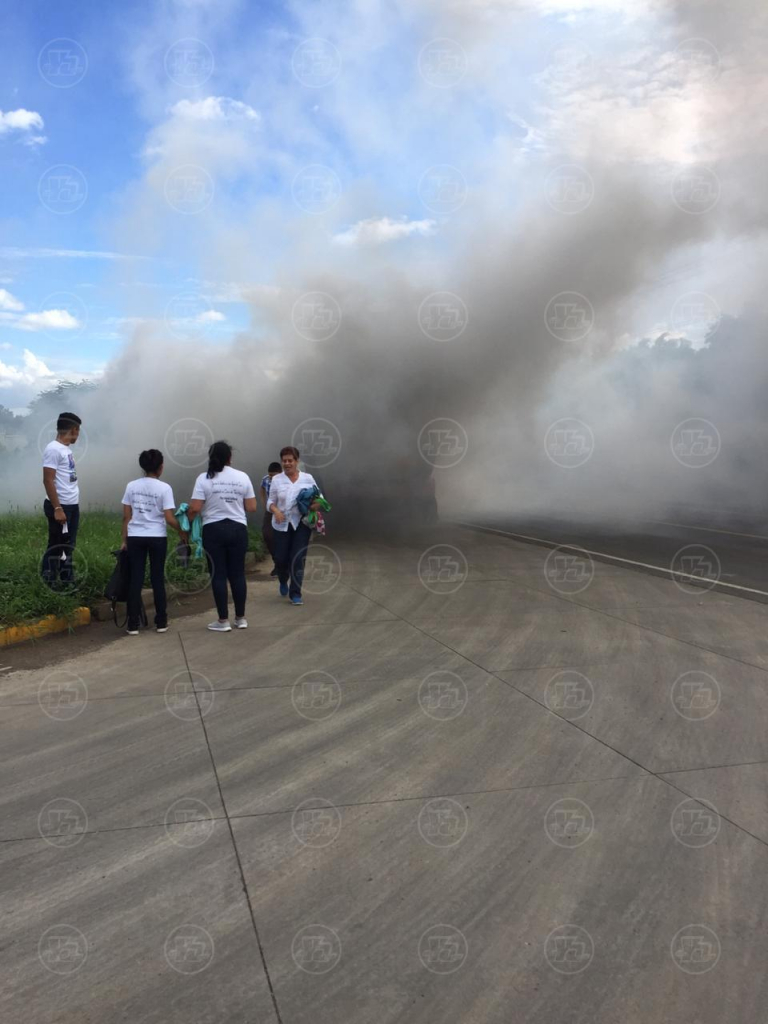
[(75, 283)]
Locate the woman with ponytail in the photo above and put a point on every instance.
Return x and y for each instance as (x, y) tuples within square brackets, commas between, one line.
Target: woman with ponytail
[(147, 510), (224, 495)]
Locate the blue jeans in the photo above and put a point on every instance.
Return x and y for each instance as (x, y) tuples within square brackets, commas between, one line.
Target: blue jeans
[(290, 553), (57, 560)]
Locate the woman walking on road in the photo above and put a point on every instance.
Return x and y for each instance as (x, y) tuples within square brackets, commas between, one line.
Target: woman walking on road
[(291, 535), (224, 495), (147, 509)]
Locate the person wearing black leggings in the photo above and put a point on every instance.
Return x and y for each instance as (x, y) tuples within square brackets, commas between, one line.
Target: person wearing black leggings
[(224, 495), (147, 510)]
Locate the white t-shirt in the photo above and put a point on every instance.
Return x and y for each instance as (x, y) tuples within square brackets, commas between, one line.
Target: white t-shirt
[(58, 456), (224, 495), (148, 498), (283, 493)]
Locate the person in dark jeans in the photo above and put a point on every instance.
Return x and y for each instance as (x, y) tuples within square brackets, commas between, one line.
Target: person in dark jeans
[(223, 496), (291, 535), (62, 503), (267, 531), (147, 512)]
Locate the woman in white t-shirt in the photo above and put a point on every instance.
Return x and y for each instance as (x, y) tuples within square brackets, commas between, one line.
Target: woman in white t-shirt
[(224, 495), (147, 510)]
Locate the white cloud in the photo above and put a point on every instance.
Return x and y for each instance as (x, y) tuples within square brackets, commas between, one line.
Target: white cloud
[(215, 108), (24, 121), (32, 372), (9, 302), (15, 253), (49, 319), (376, 230), (5, 345), (209, 317)]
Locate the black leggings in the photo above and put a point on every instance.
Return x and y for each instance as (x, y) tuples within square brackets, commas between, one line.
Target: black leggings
[(138, 549), (226, 543)]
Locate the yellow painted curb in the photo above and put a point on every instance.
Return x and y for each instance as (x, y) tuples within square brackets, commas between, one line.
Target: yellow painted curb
[(50, 624)]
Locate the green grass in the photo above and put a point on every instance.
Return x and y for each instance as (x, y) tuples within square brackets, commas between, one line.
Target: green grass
[(23, 539)]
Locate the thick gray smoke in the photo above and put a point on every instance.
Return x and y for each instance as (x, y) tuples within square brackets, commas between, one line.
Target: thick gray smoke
[(580, 307)]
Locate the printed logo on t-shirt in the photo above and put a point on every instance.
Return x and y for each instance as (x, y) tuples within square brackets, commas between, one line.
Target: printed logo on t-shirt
[(71, 466)]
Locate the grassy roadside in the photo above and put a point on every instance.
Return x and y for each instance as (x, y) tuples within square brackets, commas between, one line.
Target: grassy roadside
[(23, 539)]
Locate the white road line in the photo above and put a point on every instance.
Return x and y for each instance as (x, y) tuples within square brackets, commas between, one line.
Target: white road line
[(706, 529), (602, 554)]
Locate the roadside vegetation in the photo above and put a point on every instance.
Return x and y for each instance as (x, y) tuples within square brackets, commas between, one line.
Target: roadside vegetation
[(23, 539)]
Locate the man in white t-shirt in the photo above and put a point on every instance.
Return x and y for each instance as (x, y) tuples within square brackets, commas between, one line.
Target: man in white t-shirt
[(62, 502)]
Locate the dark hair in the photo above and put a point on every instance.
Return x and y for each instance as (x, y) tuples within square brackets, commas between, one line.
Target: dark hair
[(219, 455), (151, 460), (275, 467), (66, 421), (290, 450)]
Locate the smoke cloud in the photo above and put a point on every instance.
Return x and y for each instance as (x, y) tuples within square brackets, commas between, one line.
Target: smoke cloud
[(519, 243)]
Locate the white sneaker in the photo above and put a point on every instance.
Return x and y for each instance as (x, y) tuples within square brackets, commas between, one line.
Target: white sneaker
[(220, 627), (161, 629), (241, 623), (132, 632)]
